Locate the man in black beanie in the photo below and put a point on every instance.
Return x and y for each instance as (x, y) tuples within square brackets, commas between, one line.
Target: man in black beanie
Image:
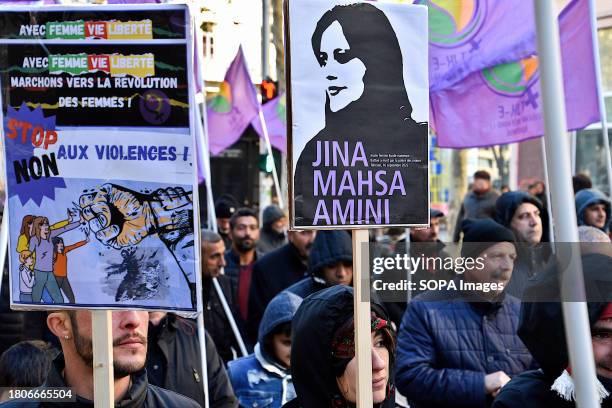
[(225, 206), (457, 346)]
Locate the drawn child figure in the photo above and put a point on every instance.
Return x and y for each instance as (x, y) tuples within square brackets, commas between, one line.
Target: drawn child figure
[(26, 275), (40, 243), (60, 264)]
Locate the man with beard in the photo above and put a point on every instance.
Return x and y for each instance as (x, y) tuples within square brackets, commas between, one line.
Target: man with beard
[(274, 224), (478, 203), (244, 232), (457, 347), (73, 367), (275, 272)]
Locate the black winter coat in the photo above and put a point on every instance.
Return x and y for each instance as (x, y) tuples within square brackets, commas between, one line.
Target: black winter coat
[(173, 362), (215, 320), (140, 395), (273, 273), (532, 390)]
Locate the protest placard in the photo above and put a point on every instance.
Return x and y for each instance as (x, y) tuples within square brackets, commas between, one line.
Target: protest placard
[(358, 110), (99, 154)]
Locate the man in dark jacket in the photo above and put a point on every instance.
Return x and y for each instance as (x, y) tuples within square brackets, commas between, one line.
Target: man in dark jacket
[(225, 207), (458, 347), (525, 215), (215, 319), (74, 366), (330, 263), (542, 330), (478, 203), (273, 229), (173, 361), (244, 231), (275, 272)]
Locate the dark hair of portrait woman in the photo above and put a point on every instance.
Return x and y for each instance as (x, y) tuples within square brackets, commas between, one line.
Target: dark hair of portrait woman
[(372, 40)]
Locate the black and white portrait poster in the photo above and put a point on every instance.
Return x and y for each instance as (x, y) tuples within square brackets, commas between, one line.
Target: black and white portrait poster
[(358, 114)]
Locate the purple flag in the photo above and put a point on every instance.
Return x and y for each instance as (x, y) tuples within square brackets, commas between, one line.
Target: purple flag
[(28, 2), (275, 116), (466, 36), (230, 112), (503, 104), (132, 1)]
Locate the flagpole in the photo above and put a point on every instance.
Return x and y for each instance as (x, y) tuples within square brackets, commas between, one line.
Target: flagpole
[(602, 101), (264, 128), (551, 231), (4, 239), (212, 218), (213, 226), (575, 317), (200, 130)]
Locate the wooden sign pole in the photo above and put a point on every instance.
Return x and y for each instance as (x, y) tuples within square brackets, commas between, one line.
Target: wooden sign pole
[(4, 239), (102, 338), (361, 302)]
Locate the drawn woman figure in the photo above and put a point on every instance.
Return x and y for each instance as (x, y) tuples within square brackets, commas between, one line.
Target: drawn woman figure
[(367, 116), (60, 264), (40, 244), (23, 242)]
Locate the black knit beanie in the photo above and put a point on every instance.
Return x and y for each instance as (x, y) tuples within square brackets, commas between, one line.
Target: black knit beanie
[(480, 234)]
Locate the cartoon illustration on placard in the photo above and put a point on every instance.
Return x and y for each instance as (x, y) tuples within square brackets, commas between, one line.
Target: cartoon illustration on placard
[(120, 219)]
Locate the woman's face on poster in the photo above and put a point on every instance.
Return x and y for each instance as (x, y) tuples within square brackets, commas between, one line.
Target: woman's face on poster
[(343, 71)]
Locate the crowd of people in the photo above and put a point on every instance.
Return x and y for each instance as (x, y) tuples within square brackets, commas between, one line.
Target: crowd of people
[(291, 298)]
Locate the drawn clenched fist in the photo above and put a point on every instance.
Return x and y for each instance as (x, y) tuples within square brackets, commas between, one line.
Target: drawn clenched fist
[(121, 217)]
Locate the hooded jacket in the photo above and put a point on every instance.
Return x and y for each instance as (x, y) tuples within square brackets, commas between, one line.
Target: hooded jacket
[(273, 273), (329, 248), (259, 380), (313, 329), (140, 395), (269, 240), (530, 259), (542, 330), (587, 197)]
